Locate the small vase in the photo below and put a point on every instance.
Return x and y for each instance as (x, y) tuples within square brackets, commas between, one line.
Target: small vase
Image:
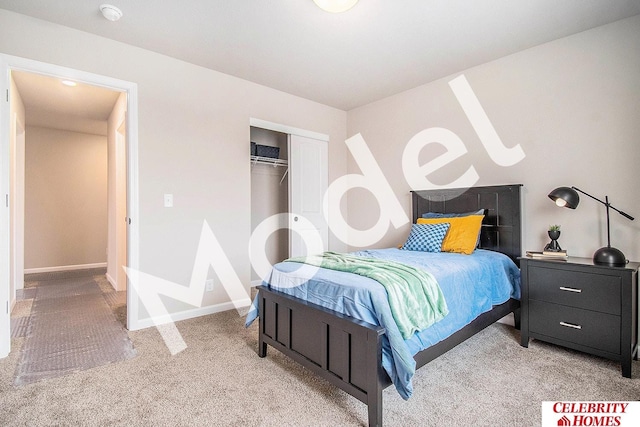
[(553, 246)]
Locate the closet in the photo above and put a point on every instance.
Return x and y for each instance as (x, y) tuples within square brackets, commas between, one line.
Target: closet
[(295, 182), (270, 190)]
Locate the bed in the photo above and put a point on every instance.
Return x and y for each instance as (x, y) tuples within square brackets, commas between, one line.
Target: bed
[(351, 350)]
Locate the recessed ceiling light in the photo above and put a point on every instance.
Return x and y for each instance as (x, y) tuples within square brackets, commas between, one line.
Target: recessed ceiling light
[(335, 6), (110, 12), (69, 83)]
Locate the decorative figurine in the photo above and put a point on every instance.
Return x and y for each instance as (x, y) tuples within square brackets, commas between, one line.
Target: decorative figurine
[(554, 234)]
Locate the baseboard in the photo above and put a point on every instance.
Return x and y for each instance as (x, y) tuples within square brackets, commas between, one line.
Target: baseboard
[(191, 314), (255, 283), (65, 268)]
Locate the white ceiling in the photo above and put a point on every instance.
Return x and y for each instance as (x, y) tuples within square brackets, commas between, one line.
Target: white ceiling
[(378, 48), (49, 103)]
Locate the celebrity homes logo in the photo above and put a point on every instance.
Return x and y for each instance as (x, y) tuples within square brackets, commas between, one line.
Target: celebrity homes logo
[(149, 290), (590, 414)]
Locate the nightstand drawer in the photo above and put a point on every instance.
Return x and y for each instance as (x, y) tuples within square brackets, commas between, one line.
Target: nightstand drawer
[(592, 329), (597, 292)]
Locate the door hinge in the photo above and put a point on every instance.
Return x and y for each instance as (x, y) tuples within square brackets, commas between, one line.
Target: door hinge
[(7, 95), (6, 198)]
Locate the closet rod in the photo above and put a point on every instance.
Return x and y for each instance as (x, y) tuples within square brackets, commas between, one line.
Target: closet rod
[(268, 161)]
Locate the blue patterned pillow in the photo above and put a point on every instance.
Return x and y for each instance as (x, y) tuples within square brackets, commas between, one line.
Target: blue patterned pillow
[(426, 237), (453, 215)]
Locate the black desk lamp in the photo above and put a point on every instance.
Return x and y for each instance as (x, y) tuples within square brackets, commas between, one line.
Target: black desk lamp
[(569, 198)]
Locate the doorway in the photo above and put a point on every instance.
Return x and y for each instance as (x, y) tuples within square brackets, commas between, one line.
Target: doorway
[(125, 133), (67, 173), (299, 190), (269, 189)]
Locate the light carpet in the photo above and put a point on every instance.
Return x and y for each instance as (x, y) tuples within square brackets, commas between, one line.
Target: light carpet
[(489, 380)]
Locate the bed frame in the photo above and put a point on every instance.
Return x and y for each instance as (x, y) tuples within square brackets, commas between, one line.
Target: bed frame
[(348, 352)]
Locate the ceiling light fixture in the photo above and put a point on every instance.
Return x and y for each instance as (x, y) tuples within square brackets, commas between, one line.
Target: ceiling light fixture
[(110, 12), (69, 83), (335, 6)]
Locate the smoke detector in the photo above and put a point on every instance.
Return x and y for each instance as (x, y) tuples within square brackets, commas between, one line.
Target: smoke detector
[(110, 12)]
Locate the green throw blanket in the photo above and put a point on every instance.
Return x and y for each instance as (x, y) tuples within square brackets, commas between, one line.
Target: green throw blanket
[(415, 297)]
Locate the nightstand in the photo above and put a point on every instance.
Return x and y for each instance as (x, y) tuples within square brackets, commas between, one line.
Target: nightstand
[(580, 305)]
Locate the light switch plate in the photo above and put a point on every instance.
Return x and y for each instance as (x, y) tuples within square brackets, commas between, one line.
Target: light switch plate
[(168, 200)]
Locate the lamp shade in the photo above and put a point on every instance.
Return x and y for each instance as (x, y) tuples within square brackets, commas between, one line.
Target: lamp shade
[(565, 197)]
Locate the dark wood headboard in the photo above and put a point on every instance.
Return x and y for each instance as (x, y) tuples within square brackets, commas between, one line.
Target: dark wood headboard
[(502, 225)]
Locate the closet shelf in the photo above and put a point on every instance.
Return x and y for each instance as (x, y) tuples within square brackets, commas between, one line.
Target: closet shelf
[(258, 160)]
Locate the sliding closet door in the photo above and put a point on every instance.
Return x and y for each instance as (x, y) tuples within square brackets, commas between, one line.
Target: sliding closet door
[(308, 170)]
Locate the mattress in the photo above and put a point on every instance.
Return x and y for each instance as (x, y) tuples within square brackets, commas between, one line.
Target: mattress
[(471, 284)]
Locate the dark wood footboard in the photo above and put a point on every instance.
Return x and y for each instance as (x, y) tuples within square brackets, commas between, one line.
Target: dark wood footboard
[(345, 351)]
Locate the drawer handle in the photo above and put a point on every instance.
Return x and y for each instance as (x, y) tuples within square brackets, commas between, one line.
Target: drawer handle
[(571, 325), (564, 288)]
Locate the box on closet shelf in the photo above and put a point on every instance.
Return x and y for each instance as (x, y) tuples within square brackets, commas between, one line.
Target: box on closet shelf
[(267, 151)]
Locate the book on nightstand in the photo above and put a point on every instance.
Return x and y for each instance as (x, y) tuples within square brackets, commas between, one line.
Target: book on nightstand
[(555, 255)]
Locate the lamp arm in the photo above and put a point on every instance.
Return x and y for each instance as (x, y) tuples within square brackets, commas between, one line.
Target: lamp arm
[(624, 214)]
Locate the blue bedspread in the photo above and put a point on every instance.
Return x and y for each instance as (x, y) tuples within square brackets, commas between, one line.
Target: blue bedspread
[(471, 285)]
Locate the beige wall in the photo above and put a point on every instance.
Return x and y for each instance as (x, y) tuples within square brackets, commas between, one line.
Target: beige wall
[(65, 198), (572, 105), (193, 141)]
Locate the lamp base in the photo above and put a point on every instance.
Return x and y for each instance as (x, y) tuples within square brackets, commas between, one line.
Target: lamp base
[(609, 256)]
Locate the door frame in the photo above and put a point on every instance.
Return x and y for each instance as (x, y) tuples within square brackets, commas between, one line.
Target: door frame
[(120, 211), (7, 64), (277, 127), (290, 130), (16, 212)]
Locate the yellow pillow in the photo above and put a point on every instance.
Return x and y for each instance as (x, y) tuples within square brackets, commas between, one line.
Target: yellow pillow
[(462, 236)]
